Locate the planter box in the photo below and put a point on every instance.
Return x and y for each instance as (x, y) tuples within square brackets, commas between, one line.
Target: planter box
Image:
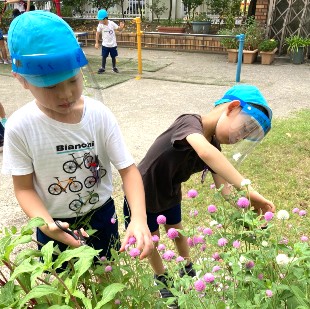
[(297, 57), (268, 57), (201, 26), (168, 29), (249, 56), (232, 55)]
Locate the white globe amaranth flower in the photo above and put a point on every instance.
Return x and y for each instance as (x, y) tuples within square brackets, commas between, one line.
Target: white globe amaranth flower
[(213, 222), (283, 214), (265, 243), (242, 259), (282, 259), (245, 182)]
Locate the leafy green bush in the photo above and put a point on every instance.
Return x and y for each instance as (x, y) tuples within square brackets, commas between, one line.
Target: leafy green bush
[(268, 45), (296, 41)]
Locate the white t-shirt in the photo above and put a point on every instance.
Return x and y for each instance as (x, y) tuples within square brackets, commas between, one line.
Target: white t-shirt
[(108, 33), (20, 6), (35, 143)]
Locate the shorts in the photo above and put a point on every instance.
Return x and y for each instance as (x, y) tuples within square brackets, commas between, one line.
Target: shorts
[(105, 51), (173, 216), (1, 35), (105, 238)]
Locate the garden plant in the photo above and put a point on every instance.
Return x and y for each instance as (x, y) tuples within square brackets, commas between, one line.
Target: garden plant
[(242, 259)]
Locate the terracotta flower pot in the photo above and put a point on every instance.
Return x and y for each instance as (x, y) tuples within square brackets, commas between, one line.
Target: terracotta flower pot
[(169, 29), (232, 55), (268, 57), (249, 56)]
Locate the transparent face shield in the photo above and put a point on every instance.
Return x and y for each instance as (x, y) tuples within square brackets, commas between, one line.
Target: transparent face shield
[(247, 129)]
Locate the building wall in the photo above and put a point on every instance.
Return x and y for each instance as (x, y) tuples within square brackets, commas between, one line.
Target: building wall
[(261, 13)]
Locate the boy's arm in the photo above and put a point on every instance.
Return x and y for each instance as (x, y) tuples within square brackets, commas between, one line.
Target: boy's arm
[(32, 205), (97, 39), (134, 191), (224, 169)]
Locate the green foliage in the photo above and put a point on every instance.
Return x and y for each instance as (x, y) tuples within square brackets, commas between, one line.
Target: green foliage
[(268, 45), (225, 8), (202, 16), (191, 6), (254, 34), (229, 43), (158, 8), (296, 41)]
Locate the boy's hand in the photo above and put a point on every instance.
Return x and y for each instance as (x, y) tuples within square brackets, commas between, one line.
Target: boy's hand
[(139, 229), (121, 25), (96, 45)]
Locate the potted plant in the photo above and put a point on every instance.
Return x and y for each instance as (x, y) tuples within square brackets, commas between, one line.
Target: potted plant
[(267, 50), (296, 48), (201, 23), (176, 26), (254, 34), (231, 44)]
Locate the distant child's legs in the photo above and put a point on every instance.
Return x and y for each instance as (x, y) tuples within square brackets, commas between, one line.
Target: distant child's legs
[(3, 52)]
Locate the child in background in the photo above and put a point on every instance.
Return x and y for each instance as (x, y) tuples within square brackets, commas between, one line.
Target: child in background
[(191, 145), (107, 29), (61, 134)]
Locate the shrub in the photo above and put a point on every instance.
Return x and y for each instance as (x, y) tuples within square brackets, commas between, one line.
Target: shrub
[(268, 45)]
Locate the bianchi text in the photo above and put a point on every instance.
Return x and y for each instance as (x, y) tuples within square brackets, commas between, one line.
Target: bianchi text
[(66, 147)]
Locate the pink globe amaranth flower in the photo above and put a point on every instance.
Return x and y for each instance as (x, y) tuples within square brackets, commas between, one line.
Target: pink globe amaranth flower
[(283, 241), (179, 259), (207, 231), (161, 219), (203, 247), (199, 285), (216, 268), (208, 277), (168, 255), (219, 226), (190, 242), (222, 242), (113, 220), (192, 193), (302, 213), (117, 302), (198, 240), (155, 238), (193, 213), (103, 258), (260, 276), (295, 210), (304, 238), (127, 246), (134, 252), (243, 202), (161, 247), (236, 244), (269, 293), (212, 209), (268, 215), (131, 240), (216, 256), (172, 233), (212, 186), (108, 269), (249, 264)]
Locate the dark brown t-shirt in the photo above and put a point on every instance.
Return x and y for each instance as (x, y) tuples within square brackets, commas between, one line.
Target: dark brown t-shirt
[(170, 161)]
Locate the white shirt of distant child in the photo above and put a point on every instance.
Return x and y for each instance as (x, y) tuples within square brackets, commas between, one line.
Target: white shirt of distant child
[(37, 143), (108, 33), (20, 6)]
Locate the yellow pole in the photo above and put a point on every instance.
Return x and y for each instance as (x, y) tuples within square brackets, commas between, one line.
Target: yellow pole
[(139, 33)]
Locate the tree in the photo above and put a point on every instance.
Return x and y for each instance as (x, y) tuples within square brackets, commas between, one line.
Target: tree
[(158, 8)]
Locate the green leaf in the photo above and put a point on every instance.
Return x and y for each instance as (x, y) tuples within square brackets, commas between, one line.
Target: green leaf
[(47, 253), (7, 294), (40, 291), (25, 267), (109, 293), (81, 266), (32, 223)]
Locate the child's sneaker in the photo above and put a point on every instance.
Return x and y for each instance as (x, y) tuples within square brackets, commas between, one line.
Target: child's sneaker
[(1, 61), (115, 70), (187, 270), (164, 281), (101, 70), (7, 61)]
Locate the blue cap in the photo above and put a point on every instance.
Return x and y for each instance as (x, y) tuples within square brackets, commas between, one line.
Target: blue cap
[(102, 14), (44, 49), (245, 93)]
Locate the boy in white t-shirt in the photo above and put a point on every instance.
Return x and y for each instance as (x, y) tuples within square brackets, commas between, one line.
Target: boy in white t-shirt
[(59, 148), (107, 29)]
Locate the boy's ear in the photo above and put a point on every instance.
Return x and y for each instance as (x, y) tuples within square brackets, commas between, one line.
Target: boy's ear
[(232, 105), (21, 79)]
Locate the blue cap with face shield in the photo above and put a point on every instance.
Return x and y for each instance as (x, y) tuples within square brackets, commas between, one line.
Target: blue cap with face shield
[(44, 49), (249, 94)]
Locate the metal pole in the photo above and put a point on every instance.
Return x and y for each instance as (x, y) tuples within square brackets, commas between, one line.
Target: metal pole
[(139, 33), (240, 38)]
